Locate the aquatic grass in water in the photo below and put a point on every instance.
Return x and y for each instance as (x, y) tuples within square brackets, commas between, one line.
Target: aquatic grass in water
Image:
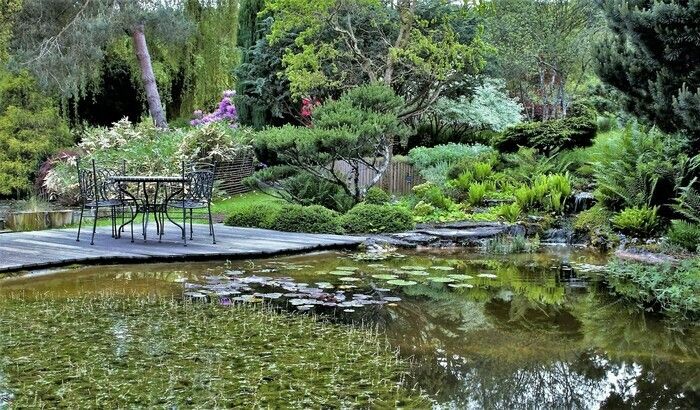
[(152, 352)]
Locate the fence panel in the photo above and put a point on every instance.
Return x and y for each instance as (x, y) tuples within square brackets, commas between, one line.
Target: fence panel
[(230, 175), (399, 179)]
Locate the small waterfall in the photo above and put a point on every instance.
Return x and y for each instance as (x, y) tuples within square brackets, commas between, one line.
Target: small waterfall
[(583, 201)]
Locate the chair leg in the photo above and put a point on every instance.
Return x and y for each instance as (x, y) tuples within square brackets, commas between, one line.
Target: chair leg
[(211, 225), (132, 223), (80, 222), (94, 224), (191, 229)]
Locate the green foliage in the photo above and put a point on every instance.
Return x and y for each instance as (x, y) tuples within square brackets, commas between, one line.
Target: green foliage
[(576, 130), (338, 45), (638, 168), (377, 196), (639, 221), (433, 195), (30, 129), (312, 219), (592, 219), (506, 245), (509, 212), (547, 192), (254, 216), (356, 130), (434, 164), (215, 143), (684, 234), (489, 108), (675, 290), (372, 218), (477, 193), (688, 202), (650, 56)]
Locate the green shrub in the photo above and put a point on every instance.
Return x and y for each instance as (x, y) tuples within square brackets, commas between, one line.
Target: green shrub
[(477, 193), (433, 195), (674, 289), (509, 212), (304, 189), (576, 130), (370, 218), (592, 219), (423, 209), (377, 196), (434, 164), (684, 234), (637, 168), (254, 216), (312, 219), (30, 129), (637, 221)]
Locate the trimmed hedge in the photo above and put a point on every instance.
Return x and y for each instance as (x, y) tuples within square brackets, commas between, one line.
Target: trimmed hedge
[(371, 218), (377, 196), (576, 130), (254, 216), (311, 219)]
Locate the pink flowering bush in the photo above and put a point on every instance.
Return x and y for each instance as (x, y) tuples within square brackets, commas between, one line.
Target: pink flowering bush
[(225, 112)]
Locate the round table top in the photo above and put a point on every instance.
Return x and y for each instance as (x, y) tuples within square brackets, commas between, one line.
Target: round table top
[(147, 178)]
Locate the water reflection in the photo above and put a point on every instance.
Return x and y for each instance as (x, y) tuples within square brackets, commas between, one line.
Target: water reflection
[(518, 331)]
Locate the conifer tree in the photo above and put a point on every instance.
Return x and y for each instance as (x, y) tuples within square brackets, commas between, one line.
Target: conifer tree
[(249, 32), (652, 56)]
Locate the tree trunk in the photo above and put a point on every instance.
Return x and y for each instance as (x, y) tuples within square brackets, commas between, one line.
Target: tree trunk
[(155, 108)]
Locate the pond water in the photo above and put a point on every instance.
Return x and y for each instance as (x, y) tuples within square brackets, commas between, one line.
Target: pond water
[(517, 331)]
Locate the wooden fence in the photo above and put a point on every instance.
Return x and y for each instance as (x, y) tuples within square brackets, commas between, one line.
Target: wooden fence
[(230, 175), (399, 179)]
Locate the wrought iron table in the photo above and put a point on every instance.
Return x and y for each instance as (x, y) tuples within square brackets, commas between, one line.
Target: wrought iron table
[(149, 204)]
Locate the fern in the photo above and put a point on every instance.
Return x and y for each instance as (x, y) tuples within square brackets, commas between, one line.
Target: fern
[(688, 203)]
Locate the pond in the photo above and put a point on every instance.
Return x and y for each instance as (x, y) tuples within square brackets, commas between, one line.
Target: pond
[(517, 331)]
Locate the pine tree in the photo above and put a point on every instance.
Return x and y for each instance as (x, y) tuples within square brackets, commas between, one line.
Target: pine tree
[(653, 57)]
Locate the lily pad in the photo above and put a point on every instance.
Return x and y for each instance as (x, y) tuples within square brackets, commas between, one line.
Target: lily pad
[(487, 275), (418, 273), (349, 279), (385, 276), (445, 268), (347, 268), (458, 276), (441, 279), (401, 282), (460, 285)]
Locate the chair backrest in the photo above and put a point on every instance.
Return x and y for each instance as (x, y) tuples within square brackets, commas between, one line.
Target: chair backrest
[(200, 181), (94, 182)]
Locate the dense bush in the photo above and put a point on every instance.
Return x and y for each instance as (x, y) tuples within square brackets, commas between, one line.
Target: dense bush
[(302, 188), (371, 218), (254, 216), (433, 195), (640, 221), (30, 130), (377, 196), (576, 130), (684, 234), (434, 163), (146, 150), (547, 192), (313, 219), (639, 168), (675, 290), (594, 225)]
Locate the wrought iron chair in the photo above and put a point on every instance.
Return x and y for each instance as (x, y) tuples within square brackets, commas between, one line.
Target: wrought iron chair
[(96, 191), (196, 193)]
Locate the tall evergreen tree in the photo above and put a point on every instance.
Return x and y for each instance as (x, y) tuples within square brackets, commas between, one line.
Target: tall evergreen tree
[(249, 33), (652, 56)]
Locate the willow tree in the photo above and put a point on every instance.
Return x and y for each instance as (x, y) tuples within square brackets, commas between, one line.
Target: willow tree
[(63, 41)]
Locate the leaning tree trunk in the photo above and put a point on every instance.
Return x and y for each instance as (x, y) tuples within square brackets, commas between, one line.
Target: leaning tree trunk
[(155, 108)]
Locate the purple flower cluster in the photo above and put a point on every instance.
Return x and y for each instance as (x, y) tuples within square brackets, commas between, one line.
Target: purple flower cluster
[(225, 112)]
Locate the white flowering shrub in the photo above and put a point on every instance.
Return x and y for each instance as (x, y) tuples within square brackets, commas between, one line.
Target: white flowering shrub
[(490, 108)]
